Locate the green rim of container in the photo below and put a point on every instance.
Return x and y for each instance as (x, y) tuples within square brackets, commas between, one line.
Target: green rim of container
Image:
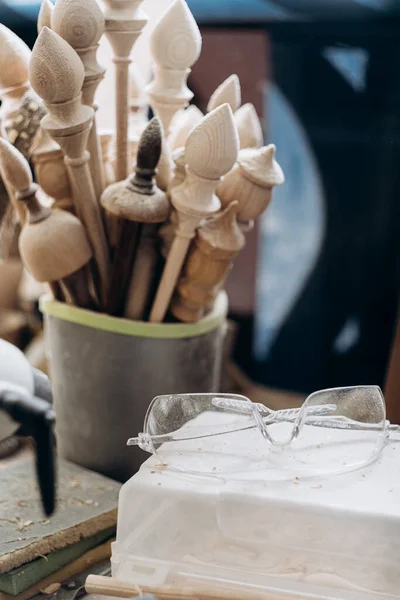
[(104, 322)]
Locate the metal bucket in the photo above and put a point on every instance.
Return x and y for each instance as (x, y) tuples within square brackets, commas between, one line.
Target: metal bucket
[(105, 371)]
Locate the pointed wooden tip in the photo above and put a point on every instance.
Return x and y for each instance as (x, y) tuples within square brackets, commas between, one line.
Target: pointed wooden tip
[(224, 232), (228, 92), (14, 166), (249, 127), (176, 41), (81, 24), (189, 119), (14, 59), (261, 166), (44, 17), (56, 72), (212, 146), (150, 145)]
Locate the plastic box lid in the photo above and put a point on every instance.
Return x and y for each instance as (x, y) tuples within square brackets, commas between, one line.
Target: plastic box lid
[(327, 538)]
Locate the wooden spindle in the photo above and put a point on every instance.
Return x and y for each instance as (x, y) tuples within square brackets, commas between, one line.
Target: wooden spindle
[(53, 244), (210, 152), (124, 23), (82, 25), (175, 46), (56, 74), (135, 201), (208, 265)]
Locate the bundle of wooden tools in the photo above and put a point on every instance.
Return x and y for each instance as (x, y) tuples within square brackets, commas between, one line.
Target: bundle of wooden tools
[(158, 242)]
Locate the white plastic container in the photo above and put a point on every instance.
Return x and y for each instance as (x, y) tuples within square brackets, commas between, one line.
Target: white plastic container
[(336, 538)]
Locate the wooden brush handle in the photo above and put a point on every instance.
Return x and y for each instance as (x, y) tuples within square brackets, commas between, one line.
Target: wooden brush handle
[(109, 586), (89, 213), (123, 261), (122, 90), (77, 287)]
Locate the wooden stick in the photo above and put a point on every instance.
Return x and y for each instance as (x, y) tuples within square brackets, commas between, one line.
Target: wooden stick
[(137, 200), (228, 92), (53, 244), (109, 586), (210, 152), (56, 74), (124, 23), (82, 25), (208, 265), (175, 47)]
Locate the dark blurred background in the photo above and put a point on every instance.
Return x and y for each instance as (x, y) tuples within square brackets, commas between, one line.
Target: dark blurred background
[(315, 293)]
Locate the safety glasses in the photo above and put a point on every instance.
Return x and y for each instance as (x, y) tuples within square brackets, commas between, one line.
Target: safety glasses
[(334, 431)]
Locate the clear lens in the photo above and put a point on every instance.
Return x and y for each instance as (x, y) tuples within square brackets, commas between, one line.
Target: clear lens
[(204, 435), (348, 437)]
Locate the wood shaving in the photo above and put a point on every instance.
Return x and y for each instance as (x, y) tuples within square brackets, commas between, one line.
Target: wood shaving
[(50, 589), (74, 483)]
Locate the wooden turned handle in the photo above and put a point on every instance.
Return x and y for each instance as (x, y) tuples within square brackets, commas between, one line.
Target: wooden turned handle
[(172, 270), (109, 586), (122, 116)]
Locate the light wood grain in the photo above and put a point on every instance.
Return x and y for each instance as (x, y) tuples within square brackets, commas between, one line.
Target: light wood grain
[(124, 24), (189, 118), (249, 127), (57, 74), (208, 264), (44, 16), (251, 182), (51, 172), (228, 92), (82, 26), (210, 151), (175, 46), (109, 586)]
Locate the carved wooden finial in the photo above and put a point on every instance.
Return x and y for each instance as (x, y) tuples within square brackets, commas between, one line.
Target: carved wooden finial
[(57, 74), (175, 47), (14, 61), (210, 152), (249, 127), (184, 125), (228, 92), (44, 17), (136, 200), (251, 182), (212, 146), (208, 265)]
